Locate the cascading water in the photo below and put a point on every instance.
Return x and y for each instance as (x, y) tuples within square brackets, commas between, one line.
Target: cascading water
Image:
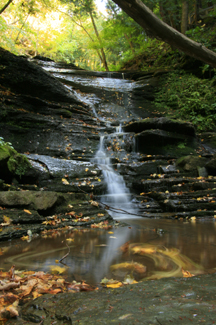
[(118, 196)]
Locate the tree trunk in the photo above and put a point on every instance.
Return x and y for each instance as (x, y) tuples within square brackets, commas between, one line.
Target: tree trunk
[(5, 6), (130, 43), (98, 37), (157, 28), (184, 20)]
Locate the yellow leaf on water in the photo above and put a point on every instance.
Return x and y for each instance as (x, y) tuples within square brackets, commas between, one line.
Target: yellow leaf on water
[(129, 266), (55, 269), (70, 239), (110, 232), (186, 274), (25, 237)]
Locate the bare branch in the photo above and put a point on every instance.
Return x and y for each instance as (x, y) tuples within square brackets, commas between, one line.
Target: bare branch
[(5, 6)]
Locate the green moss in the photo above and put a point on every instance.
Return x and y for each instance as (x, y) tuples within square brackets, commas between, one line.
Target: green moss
[(18, 164)]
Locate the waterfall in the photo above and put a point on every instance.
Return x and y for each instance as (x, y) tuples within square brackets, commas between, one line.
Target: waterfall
[(119, 129), (118, 195)]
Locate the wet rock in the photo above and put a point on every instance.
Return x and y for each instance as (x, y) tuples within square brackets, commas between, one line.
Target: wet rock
[(163, 301), (30, 199), (18, 216), (30, 79)]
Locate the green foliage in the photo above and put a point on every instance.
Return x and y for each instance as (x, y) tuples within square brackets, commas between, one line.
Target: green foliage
[(204, 35), (188, 97), (3, 143)]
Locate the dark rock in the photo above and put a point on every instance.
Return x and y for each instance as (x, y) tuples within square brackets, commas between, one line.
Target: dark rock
[(30, 79), (157, 141), (161, 123), (211, 166)]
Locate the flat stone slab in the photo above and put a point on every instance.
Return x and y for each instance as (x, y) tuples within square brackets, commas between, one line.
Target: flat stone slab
[(165, 301), (58, 167)]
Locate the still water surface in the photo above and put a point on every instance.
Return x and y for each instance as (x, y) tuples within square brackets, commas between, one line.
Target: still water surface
[(190, 245)]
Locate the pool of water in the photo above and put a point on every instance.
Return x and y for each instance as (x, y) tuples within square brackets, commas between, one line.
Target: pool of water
[(162, 246)]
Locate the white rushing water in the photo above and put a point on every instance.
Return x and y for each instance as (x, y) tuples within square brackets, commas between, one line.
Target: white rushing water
[(118, 196)]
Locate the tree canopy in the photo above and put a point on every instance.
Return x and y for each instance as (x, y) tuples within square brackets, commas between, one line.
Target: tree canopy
[(76, 31)]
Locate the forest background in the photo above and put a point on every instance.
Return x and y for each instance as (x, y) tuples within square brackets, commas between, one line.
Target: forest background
[(78, 32)]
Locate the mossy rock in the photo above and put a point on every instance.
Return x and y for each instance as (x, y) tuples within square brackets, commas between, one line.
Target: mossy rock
[(191, 162), (12, 163), (18, 164)]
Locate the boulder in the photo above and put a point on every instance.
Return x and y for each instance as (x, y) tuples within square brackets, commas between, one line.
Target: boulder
[(190, 163)]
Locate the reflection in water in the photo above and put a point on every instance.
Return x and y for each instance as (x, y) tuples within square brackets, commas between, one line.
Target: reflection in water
[(93, 251)]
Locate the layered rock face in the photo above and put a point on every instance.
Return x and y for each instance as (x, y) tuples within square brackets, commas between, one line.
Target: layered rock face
[(55, 118)]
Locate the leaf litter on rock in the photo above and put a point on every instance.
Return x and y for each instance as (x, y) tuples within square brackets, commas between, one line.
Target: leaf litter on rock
[(16, 286)]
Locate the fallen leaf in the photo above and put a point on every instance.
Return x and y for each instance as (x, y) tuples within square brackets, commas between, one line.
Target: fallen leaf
[(25, 238), (125, 316), (27, 211), (186, 274), (55, 269), (129, 266), (94, 203), (115, 285), (65, 182), (7, 220)]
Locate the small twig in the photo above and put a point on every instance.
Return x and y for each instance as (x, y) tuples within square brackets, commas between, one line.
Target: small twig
[(158, 321), (108, 207), (60, 261)]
